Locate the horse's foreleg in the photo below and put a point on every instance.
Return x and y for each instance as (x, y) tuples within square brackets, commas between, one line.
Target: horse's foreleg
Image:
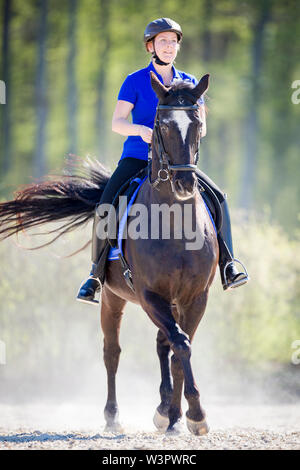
[(161, 418), (190, 317), (175, 410), (169, 411), (111, 315), (160, 312)]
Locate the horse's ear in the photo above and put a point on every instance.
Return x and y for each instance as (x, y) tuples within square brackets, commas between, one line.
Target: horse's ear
[(201, 87), (157, 86)]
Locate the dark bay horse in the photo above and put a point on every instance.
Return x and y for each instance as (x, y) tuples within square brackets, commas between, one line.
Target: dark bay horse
[(171, 282)]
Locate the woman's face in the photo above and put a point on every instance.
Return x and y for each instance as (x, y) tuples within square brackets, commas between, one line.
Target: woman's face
[(166, 46)]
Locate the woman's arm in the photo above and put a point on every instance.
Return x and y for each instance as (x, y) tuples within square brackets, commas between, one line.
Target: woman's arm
[(121, 125)]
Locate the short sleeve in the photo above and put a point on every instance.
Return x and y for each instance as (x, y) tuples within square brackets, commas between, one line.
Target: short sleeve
[(128, 91)]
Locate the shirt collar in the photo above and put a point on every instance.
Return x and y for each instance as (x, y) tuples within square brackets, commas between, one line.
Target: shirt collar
[(176, 75)]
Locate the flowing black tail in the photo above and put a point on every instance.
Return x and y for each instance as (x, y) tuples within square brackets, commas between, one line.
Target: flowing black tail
[(71, 198)]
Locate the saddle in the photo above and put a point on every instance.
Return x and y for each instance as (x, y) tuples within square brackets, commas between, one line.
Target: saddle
[(113, 249)]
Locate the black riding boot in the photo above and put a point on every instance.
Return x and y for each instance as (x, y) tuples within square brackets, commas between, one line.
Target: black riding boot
[(230, 276), (95, 280)]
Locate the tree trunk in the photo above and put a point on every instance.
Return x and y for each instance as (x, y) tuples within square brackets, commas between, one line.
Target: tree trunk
[(40, 166), (206, 154), (248, 180), (5, 134), (206, 35), (71, 74), (101, 129), (224, 151)]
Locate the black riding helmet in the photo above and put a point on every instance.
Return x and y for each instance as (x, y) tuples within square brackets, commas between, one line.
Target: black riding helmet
[(161, 25)]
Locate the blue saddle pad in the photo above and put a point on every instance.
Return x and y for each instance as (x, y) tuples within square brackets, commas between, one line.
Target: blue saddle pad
[(114, 252), (211, 217)]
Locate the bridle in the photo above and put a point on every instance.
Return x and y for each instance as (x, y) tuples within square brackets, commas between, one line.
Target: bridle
[(165, 166)]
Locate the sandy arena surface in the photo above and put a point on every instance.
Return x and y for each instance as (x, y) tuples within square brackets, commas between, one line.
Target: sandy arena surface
[(77, 426)]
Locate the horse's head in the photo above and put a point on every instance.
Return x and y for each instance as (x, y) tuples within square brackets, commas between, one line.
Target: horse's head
[(177, 131)]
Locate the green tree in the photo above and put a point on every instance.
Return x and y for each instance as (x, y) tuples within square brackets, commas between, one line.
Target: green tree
[(40, 164), (5, 132)]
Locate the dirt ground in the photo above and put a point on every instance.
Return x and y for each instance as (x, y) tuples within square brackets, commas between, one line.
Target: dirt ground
[(77, 426)]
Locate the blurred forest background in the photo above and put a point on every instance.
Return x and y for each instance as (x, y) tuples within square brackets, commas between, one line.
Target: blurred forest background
[(63, 62)]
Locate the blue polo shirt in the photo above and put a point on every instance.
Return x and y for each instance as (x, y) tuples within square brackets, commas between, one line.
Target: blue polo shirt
[(137, 90)]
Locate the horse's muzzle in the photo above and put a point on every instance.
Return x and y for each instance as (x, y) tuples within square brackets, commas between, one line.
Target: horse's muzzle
[(185, 184)]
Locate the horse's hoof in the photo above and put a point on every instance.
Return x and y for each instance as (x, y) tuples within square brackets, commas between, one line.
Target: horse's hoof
[(198, 428), (161, 422), (114, 428)]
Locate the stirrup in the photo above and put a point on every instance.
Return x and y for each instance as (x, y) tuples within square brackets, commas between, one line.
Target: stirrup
[(238, 282), (91, 301)]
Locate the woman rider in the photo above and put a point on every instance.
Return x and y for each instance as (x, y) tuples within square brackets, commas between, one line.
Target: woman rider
[(162, 38)]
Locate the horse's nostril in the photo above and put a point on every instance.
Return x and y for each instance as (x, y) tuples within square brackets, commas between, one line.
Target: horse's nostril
[(186, 185), (179, 186)]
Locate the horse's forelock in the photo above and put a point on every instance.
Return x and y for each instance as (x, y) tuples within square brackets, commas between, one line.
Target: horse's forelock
[(180, 88), (182, 85)]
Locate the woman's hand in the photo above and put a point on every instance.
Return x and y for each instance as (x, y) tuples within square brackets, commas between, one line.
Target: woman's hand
[(146, 134)]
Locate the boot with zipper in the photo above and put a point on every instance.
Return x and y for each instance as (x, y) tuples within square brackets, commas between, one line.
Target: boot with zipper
[(231, 277)]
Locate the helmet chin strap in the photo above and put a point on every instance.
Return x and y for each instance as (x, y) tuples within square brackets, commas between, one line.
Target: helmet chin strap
[(157, 59)]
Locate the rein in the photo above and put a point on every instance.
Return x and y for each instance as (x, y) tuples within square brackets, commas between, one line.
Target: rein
[(165, 167)]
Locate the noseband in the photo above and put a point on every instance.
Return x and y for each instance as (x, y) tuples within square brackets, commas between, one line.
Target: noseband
[(165, 166)]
